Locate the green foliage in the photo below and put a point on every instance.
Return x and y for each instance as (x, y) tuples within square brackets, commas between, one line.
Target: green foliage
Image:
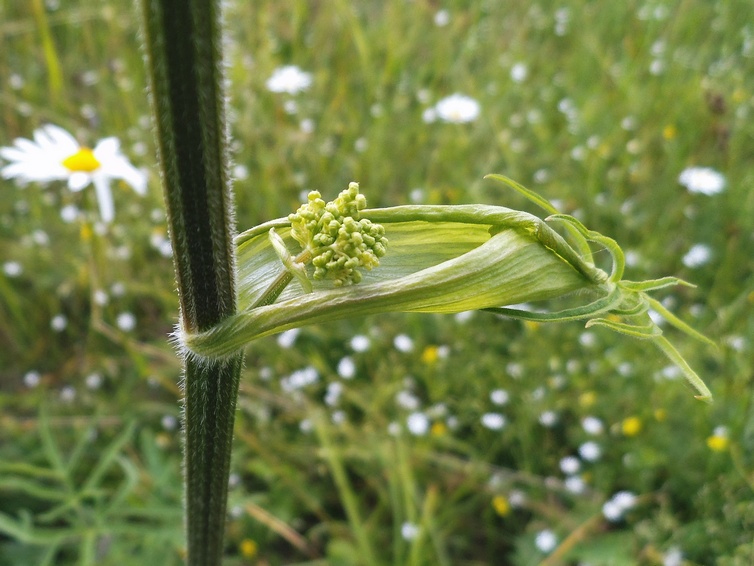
[(618, 99)]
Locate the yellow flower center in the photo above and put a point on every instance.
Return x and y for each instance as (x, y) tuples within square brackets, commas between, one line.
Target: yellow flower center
[(82, 161)]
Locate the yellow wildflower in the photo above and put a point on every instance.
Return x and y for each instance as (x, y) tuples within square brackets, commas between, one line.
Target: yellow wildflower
[(631, 426), (438, 429), (430, 354), (718, 443), (587, 399), (248, 548), (501, 505)]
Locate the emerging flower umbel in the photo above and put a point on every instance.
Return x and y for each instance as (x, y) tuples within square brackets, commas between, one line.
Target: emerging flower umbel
[(442, 259), (55, 155)]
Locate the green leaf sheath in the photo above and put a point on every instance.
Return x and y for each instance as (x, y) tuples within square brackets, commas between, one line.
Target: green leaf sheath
[(183, 53)]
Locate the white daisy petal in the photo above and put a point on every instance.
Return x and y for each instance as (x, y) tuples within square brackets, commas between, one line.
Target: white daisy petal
[(78, 180), (108, 147), (61, 138), (104, 197), (120, 168), (12, 154)]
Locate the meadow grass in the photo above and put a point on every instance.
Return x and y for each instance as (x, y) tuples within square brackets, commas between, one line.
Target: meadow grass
[(395, 439)]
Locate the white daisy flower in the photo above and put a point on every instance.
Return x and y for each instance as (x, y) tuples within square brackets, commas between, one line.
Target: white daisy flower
[(289, 79), (703, 180), (55, 155), (458, 109)]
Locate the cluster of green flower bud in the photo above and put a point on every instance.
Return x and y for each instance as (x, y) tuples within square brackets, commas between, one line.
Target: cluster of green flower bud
[(337, 239)]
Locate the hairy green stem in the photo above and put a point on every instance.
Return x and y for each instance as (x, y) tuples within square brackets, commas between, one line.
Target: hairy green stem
[(183, 52)]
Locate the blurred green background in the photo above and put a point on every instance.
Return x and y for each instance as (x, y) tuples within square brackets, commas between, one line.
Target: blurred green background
[(416, 440)]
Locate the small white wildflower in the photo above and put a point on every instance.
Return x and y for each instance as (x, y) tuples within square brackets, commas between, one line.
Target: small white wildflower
[(265, 373), (360, 343), (575, 484), (592, 425), (100, 297), (590, 451), (118, 289), (570, 465), (403, 343), (290, 107), (32, 379), (704, 180), (442, 18), (16, 82), (417, 424), (587, 339), (361, 145), (126, 321), (517, 498), (299, 379), (338, 417), (464, 316), (59, 323), (169, 422), (720, 430), (287, 338), (12, 268), (69, 213), (548, 418), (515, 370), (393, 429), (289, 79), (409, 531), (165, 249), (499, 396), (437, 411), (429, 115), (625, 499), (68, 393), (407, 400), (519, 72), (234, 480), (332, 395), (240, 172), (673, 557), (493, 421), (612, 511), (306, 125), (346, 368), (670, 372), (546, 541), (457, 109), (541, 176), (93, 380), (656, 67), (306, 426), (698, 255)]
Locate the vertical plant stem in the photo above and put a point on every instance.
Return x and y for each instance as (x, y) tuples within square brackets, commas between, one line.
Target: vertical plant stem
[(183, 48), (345, 490)]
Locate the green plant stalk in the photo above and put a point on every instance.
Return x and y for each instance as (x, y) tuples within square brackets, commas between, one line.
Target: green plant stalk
[(183, 52), (347, 495)]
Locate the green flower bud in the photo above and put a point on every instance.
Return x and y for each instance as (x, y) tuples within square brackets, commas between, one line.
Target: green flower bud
[(442, 259)]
